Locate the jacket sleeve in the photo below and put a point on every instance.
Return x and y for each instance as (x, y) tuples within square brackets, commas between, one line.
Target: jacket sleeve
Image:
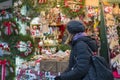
[(71, 62), (82, 63)]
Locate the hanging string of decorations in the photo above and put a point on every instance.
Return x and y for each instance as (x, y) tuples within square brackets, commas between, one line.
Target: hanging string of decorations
[(72, 8)]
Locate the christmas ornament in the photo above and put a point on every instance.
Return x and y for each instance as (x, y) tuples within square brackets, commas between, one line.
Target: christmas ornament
[(24, 47)]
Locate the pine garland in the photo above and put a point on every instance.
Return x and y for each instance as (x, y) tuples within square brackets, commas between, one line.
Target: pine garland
[(68, 12)]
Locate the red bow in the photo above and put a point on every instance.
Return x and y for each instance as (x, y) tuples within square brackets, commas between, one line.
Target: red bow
[(8, 25), (3, 63)]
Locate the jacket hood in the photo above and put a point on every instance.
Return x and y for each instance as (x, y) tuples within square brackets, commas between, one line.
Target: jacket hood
[(89, 41)]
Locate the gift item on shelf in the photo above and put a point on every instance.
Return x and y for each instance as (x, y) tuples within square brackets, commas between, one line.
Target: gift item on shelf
[(36, 30)]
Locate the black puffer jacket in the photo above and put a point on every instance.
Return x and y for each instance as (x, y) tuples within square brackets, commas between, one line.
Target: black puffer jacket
[(79, 61)]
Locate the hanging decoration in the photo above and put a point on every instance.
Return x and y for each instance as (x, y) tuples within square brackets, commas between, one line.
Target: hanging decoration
[(9, 28), (92, 11), (20, 17), (72, 8), (6, 70), (24, 46)]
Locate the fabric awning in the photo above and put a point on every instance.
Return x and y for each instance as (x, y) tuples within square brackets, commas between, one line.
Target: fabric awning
[(6, 4)]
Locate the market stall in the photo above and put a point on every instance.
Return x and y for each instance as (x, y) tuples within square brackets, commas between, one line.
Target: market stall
[(34, 37)]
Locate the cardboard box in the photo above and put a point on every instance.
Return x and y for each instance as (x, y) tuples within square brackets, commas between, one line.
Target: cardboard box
[(53, 66), (61, 66), (48, 65)]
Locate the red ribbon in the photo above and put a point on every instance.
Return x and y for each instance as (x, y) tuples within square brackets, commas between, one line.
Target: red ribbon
[(3, 63), (8, 25)]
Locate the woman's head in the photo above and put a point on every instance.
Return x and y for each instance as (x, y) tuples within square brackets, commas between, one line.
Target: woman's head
[(75, 26)]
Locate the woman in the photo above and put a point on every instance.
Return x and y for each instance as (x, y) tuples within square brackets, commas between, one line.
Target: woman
[(80, 60)]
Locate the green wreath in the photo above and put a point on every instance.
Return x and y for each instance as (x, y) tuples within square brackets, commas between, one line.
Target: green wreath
[(28, 49), (14, 29), (69, 12), (13, 40)]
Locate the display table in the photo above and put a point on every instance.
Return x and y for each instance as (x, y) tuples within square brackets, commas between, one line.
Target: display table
[(53, 66)]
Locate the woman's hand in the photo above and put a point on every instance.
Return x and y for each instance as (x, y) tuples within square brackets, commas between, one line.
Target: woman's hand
[(57, 78)]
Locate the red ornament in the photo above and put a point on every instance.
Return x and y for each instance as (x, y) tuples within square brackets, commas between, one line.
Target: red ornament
[(3, 12)]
